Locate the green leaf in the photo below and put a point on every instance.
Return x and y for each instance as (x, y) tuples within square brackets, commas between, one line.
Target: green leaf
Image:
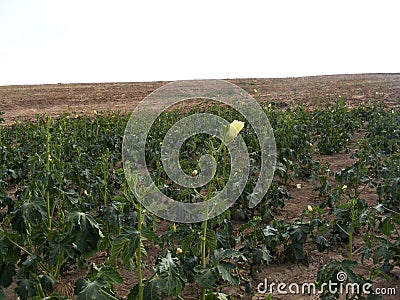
[(32, 212), (30, 260), (224, 270), (192, 243), (7, 271), (205, 277), (58, 248), (267, 216), (134, 293), (3, 245), (126, 245), (170, 279), (98, 284), (26, 287), (270, 231), (294, 251), (396, 219), (321, 242), (110, 275), (262, 254), (149, 292), (386, 227), (346, 267), (46, 281), (90, 290), (71, 195), (299, 232), (221, 254), (211, 240), (118, 246), (111, 215), (8, 251), (217, 296), (86, 231), (151, 235), (226, 238)]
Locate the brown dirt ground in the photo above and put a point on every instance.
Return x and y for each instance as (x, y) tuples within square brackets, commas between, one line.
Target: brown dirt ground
[(24, 102)]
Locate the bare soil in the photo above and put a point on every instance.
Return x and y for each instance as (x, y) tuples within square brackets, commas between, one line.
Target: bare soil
[(24, 102)]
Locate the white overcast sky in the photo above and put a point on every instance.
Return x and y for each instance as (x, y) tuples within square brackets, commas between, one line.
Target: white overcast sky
[(107, 41)]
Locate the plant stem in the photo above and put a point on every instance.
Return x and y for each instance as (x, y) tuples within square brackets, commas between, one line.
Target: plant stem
[(139, 254), (351, 230), (48, 154), (105, 174), (392, 211), (344, 231), (30, 254), (204, 233), (351, 245), (60, 262), (109, 295)]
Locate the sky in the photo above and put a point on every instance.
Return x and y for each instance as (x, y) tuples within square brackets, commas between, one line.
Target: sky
[(69, 41)]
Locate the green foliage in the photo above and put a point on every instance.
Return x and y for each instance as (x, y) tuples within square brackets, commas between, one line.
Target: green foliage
[(170, 280), (85, 230), (340, 274), (150, 292), (8, 256), (26, 287), (254, 249), (126, 245), (72, 201), (220, 266), (98, 284), (334, 126)]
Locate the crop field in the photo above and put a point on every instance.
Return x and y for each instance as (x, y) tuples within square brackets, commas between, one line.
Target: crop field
[(72, 228)]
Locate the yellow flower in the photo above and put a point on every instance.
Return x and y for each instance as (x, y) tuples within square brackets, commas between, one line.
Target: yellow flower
[(194, 173), (309, 208), (344, 187), (233, 130), (178, 251)]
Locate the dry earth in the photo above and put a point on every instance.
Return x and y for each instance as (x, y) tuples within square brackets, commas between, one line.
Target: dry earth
[(26, 101)]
